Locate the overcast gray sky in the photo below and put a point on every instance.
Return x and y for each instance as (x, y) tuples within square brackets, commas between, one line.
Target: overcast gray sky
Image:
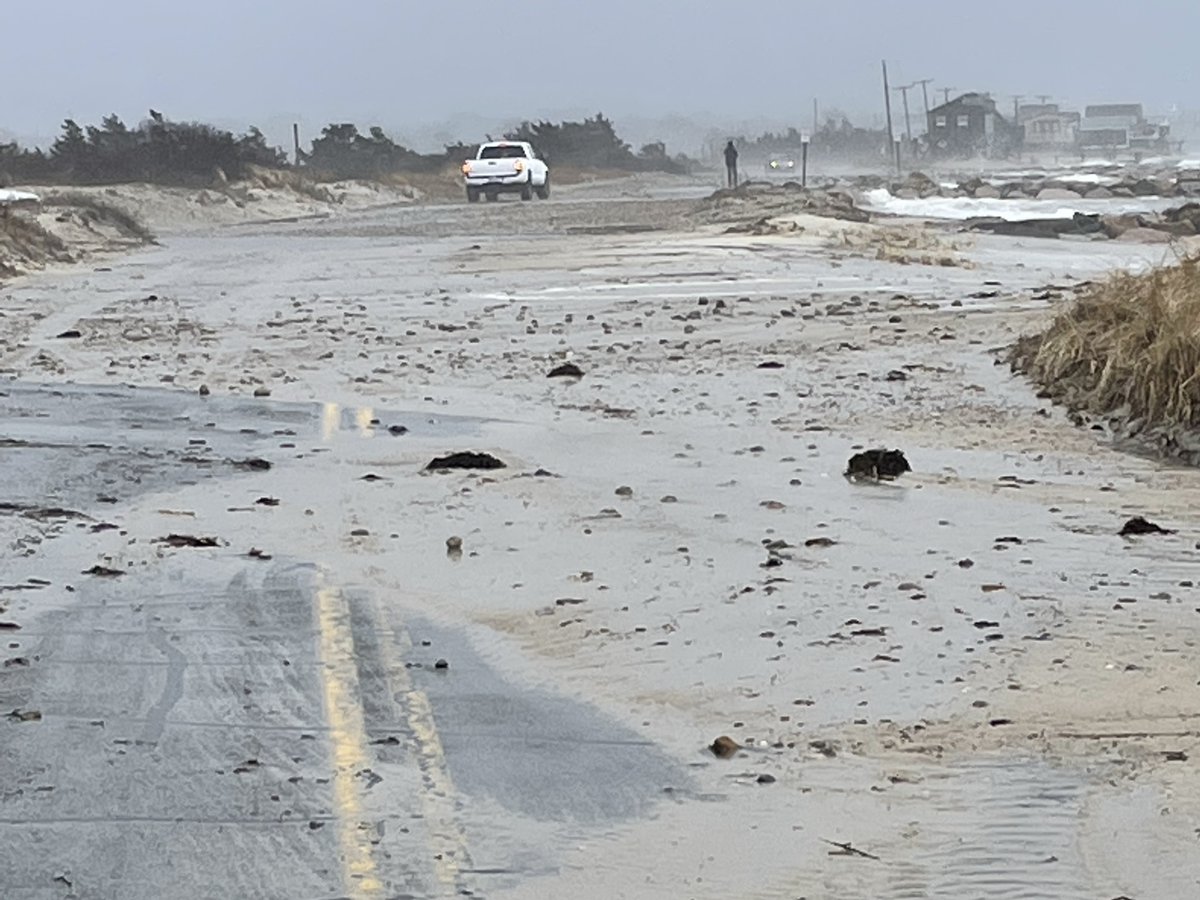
[(409, 63)]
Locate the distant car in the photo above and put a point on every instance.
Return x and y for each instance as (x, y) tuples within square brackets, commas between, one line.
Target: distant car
[(506, 167), (780, 164)]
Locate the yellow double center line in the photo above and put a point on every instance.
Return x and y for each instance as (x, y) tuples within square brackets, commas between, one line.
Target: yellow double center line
[(348, 735)]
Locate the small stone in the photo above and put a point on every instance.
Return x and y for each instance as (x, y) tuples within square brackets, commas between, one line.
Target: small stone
[(765, 779), (454, 544), (724, 747), (262, 391), (624, 491), (669, 498), (441, 664), (204, 391)]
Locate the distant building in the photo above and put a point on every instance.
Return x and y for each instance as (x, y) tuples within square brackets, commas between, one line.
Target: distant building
[(1046, 127), (970, 126), (1121, 126)]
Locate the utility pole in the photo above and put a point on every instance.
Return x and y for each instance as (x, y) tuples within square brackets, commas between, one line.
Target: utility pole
[(816, 122), (887, 105), (907, 122), (296, 141), (924, 83), (1017, 107), (1043, 98), (946, 93)]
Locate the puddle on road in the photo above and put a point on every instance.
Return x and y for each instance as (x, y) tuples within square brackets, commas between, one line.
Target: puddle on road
[(67, 445), (537, 754)]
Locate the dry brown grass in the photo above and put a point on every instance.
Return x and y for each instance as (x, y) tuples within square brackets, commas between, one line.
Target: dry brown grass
[(24, 242), (102, 211), (1129, 348)]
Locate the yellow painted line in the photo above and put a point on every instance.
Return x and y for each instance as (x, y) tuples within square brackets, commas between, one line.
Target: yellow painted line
[(331, 420), (363, 417), (438, 799), (344, 714)]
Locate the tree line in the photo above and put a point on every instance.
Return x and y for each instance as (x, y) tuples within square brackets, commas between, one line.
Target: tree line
[(162, 151), (157, 150), (837, 137)]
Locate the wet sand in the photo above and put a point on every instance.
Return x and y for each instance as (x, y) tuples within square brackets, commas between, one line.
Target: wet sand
[(966, 673)]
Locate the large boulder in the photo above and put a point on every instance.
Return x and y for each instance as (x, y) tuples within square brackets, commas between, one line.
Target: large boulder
[(986, 192), (1058, 194), (1099, 193), (1145, 236), (1116, 225)]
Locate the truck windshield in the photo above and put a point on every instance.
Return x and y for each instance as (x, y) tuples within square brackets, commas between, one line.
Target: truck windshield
[(508, 151)]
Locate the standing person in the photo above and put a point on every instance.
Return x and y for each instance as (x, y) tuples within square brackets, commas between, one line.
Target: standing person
[(731, 156)]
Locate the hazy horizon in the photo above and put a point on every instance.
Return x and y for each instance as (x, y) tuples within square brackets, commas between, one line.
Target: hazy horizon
[(417, 69)]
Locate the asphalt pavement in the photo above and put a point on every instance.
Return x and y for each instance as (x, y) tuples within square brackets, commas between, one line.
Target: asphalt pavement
[(212, 725)]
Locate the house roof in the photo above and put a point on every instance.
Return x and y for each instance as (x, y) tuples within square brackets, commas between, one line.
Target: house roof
[(1101, 110), (973, 99)]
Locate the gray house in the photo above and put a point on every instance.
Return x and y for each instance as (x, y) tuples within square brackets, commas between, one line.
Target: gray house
[(970, 125), (1121, 126)]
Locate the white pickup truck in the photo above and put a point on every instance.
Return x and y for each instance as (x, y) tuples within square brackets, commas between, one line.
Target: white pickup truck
[(506, 167)]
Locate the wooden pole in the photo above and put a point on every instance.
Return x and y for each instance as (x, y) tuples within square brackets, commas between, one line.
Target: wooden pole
[(887, 105), (296, 141)]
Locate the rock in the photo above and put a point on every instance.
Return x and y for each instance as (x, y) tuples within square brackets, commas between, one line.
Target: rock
[(1058, 194), (566, 370), (69, 334), (25, 715), (254, 464), (820, 542), (465, 460), (397, 430), (103, 572), (262, 391), (1181, 228), (1142, 525), (765, 779), (986, 192), (724, 747), (441, 664), (624, 491), (204, 391), (896, 375), (1099, 193), (881, 465), (1145, 236), (188, 540), (454, 544), (1116, 225)]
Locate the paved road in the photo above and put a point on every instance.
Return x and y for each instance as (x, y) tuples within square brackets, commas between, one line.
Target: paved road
[(218, 726)]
